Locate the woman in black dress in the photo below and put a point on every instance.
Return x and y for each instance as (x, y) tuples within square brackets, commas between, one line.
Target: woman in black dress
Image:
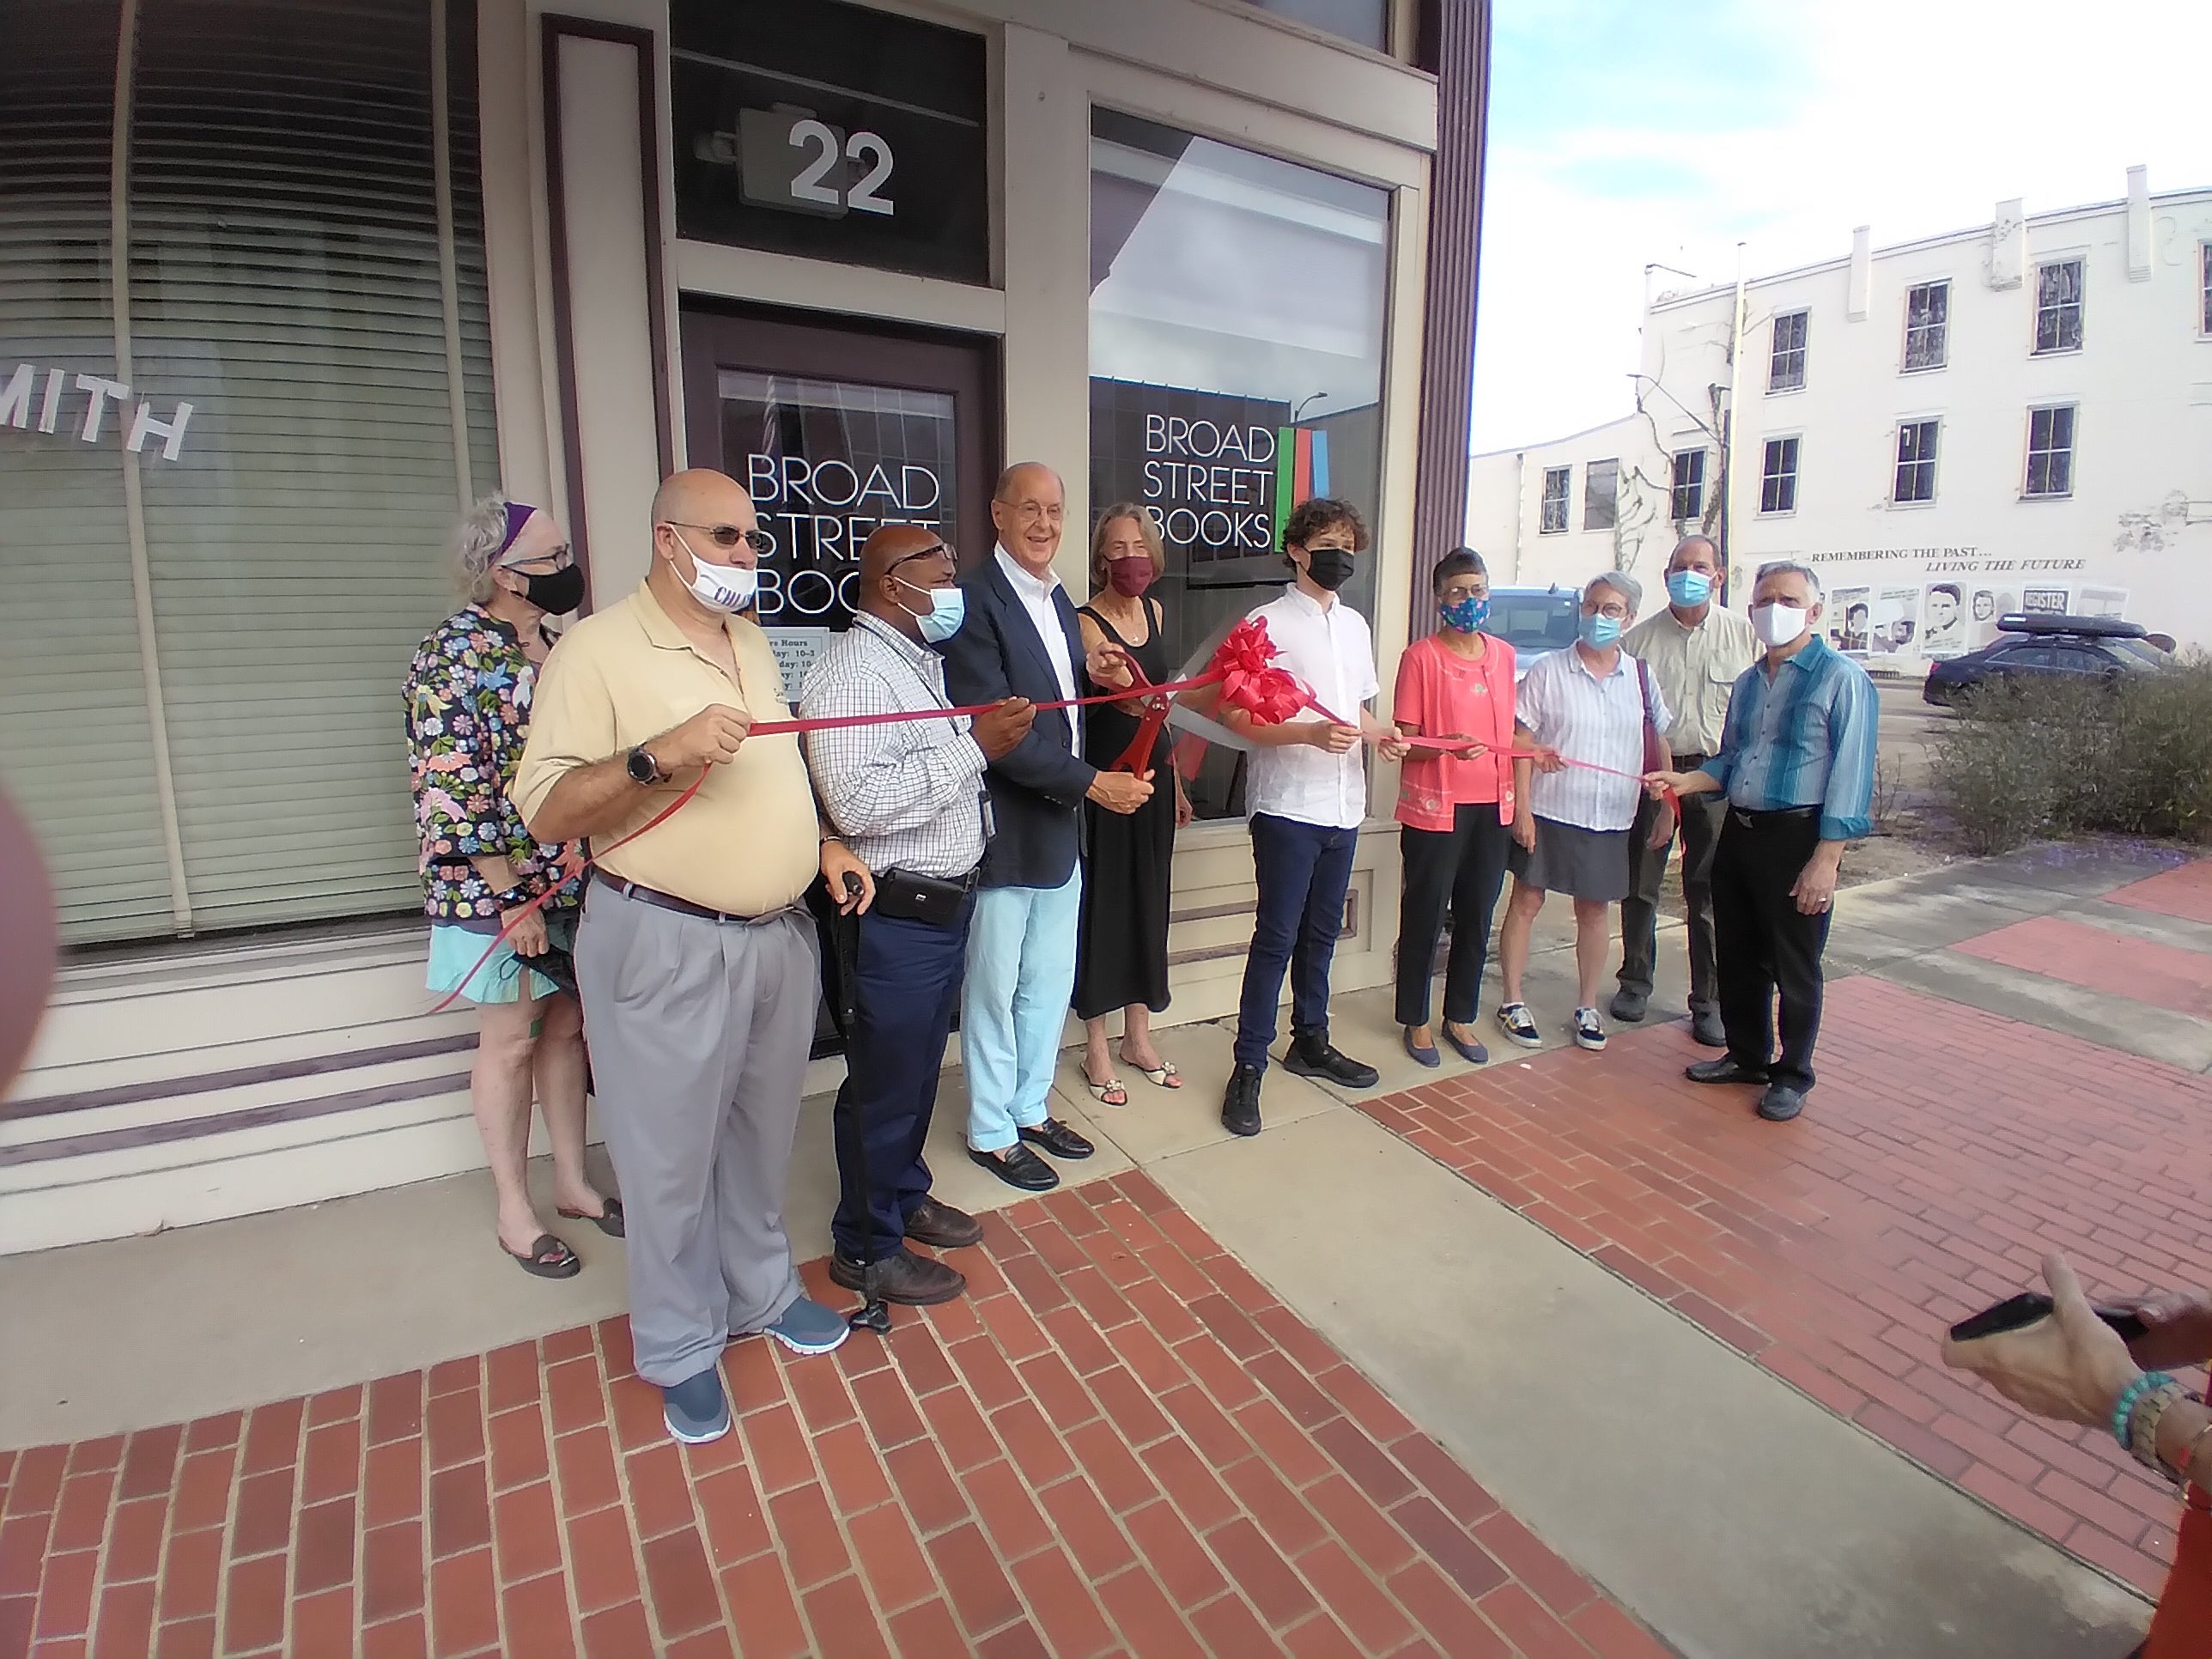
[(1121, 951)]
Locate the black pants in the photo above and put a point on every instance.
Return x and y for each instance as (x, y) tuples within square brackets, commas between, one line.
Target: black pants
[(906, 989), (1647, 869), (1766, 945), (1457, 869)]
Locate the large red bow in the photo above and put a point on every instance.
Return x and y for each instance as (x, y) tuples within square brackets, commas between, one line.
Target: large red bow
[(1249, 679)]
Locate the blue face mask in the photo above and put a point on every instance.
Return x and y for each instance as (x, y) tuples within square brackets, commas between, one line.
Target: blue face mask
[(1689, 586), (1465, 615), (948, 609), (1599, 632)]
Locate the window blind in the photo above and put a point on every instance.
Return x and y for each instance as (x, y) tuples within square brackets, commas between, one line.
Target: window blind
[(76, 748)]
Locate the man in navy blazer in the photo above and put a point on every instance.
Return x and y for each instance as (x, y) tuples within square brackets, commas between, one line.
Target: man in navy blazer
[(1019, 639)]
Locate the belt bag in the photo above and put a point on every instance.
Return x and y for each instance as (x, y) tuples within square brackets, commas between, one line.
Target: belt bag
[(909, 897)]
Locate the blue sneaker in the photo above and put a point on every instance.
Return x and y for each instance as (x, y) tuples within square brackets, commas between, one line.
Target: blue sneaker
[(697, 1410), (807, 1327)]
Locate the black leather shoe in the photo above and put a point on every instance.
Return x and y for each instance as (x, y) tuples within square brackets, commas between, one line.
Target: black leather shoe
[(1018, 1166), (1312, 1054), (1724, 1070), (942, 1227), (1240, 1101), (1781, 1103), (1057, 1138), (1628, 1005), (911, 1280), (1706, 1028)]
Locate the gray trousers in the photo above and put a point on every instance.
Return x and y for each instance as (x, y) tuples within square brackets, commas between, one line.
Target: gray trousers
[(699, 1032), (1700, 835)]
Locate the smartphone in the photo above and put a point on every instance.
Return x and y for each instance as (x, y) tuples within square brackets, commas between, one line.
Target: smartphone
[(2017, 1311)]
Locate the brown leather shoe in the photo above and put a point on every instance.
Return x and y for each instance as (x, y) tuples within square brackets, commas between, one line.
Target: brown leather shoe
[(942, 1227), (913, 1281)]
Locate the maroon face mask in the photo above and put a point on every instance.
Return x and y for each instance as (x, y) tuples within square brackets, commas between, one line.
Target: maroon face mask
[(1131, 576)]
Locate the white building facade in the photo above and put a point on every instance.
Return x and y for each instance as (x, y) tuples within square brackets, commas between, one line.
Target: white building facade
[(2013, 417)]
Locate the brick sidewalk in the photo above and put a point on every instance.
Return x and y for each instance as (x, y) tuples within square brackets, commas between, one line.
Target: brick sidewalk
[(1120, 1442), (1944, 1149)]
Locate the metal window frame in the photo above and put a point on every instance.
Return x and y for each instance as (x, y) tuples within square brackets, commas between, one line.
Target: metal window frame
[(1898, 462), (1770, 476), (1696, 486), (2204, 283), (1940, 329), (1776, 351), (2072, 449), (2078, 306), (1546, 501)]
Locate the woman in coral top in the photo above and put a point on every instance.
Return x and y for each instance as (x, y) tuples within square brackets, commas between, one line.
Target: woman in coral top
[(1456, 807), (2071, 1366)]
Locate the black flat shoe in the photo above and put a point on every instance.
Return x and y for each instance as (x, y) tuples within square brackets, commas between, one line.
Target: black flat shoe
[(1724, 1070), (549, 1258), (910, 1280), (1057, 1138), (1018, 1166), (608, 1221), (1781, 1103), (942, 1227)]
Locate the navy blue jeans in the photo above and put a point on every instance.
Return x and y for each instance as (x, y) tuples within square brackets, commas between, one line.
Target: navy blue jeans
[(1302, 871), (906, 985)]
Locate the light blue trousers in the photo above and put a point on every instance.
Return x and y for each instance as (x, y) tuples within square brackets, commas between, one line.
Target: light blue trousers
[(1021, 973)]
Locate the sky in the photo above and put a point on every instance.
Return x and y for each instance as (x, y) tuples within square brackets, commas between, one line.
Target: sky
[(1623, 133)]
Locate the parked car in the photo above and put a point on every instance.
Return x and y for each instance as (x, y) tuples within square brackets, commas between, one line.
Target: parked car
[(2081, 649), (1535, 621)]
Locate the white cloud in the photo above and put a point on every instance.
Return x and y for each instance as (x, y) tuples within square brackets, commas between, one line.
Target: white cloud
[(1913, 115)]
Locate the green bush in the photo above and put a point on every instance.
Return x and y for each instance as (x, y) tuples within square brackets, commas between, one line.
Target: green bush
[(2133, 757)]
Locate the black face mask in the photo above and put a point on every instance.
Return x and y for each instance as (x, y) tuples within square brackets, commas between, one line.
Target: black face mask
[(1329, 567), (558, 595)]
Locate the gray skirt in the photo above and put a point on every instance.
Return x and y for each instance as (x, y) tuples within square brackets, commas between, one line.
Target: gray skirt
[(1584, 863)]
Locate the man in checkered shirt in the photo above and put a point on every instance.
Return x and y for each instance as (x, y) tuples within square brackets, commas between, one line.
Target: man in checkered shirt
[(908, 801)]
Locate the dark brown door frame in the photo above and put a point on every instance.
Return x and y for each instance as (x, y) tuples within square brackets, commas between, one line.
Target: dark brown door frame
[(860, 349)]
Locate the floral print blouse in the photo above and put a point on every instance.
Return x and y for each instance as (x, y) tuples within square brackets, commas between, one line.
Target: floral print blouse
[(468, 710)]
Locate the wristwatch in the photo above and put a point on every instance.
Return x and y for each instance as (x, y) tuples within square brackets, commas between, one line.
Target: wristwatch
[(642, 767)]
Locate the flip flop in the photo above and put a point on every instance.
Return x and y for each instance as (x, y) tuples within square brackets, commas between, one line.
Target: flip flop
[(549, 1258), (1164, 1076), (1109, 1093), (608, 1221)]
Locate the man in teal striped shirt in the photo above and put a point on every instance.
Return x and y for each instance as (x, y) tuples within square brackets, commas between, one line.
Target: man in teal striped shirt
[(1797, 762)]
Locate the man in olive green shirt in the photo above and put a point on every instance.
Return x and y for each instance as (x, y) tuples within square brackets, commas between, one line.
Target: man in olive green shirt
[(1695, 651)]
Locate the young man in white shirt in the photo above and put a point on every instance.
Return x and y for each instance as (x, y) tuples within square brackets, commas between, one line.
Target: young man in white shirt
[(1305, 789)]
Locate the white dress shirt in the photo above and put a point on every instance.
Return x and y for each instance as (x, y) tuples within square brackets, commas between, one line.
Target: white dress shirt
[(1035, 595), (1566, 705), (1330, 649)]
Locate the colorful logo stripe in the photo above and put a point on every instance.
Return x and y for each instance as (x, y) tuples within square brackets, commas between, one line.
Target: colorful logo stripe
[(1301, 471)]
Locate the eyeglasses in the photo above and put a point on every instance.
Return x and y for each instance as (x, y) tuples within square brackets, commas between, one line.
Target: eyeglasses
[(1614, 608), (560, 558), (1030, 512), (725, 536), (1458, 591)]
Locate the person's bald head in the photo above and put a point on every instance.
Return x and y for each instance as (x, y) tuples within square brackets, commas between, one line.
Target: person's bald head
[(901, 565), (699, 516), (1026, 510)]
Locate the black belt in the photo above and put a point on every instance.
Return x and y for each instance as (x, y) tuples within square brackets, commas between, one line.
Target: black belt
[(1690, 760), (653, 895), (1751, 820)]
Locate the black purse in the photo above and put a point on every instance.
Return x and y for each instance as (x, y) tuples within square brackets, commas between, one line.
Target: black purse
[(909, 897)]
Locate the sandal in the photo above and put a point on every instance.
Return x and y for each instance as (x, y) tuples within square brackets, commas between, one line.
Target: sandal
[(1163, 1076), (608, 1221), (1109, 1093), (549, 1258)]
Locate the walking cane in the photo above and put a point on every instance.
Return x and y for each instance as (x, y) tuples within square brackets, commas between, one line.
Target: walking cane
[(873, 1313)]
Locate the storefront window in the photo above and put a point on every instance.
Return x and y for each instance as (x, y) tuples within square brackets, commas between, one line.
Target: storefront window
[(1366, 22), (225, 485), (1236, 318)]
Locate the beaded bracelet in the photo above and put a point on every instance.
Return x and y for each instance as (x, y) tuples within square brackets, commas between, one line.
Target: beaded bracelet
[(2124, 1406)]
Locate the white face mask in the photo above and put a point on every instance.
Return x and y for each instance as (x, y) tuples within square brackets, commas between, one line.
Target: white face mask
[(728, 588), (1777, 625)]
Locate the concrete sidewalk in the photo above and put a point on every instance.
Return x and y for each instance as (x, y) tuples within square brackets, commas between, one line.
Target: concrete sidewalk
[(1732, 1510)]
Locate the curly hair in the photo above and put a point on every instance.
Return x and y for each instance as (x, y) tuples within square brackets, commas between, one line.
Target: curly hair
[(474, 547), (1324, 512), (1147, 526)]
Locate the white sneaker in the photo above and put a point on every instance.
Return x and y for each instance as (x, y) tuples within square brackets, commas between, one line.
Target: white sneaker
[(1514, 1020), (1589, 1033)]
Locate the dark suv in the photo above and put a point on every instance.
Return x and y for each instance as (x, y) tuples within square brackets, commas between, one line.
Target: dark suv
[(1535, 621), (2079, 649)]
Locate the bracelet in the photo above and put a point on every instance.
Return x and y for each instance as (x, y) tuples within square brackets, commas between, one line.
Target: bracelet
[(2144, 1421), (2124, 1407), (2180, 1473)]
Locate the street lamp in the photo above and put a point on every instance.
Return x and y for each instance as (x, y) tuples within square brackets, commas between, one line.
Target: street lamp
[(1299, 413)]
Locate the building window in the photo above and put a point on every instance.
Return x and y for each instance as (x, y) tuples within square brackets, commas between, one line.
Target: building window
[(2058, 306), (2050, 450), (2205, 260), (1916, 461), (1785, 366), (1689, 493), (1238, 304), (1600, 495), (1778, 476), (1363, 23), (1927, 318), (1552, 518)]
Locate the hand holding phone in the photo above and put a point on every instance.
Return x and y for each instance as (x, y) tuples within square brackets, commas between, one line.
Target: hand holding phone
[(2018, 1312)]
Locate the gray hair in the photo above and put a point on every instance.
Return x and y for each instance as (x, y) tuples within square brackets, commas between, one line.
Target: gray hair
[(474, 547), (1787, 566), (1621, 583)]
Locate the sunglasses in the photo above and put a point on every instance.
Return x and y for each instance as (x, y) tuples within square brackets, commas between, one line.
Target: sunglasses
[(929, 552), (724, 536)]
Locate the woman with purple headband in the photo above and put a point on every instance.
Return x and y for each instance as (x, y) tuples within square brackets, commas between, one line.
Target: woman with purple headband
[(468, 710)]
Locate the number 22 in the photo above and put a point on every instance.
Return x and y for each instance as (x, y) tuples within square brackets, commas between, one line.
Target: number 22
[(807, 184)]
